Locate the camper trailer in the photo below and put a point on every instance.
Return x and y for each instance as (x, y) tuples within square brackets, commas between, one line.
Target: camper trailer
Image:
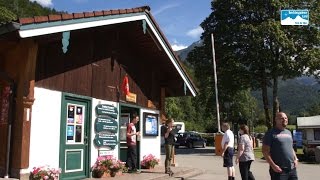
[(310, 127)]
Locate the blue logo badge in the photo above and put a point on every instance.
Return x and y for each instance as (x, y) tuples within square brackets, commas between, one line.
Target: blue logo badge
[(294, 17)]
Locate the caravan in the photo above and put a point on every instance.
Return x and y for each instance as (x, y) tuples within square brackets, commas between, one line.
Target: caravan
[(310, 127)]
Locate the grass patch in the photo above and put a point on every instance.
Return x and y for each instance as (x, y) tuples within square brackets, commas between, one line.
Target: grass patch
[(258, 153)]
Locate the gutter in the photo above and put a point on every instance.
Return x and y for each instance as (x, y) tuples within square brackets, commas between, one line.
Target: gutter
[(10, 119), (9, 27)]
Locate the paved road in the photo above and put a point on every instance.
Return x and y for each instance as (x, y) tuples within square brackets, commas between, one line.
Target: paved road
[(205, 159)]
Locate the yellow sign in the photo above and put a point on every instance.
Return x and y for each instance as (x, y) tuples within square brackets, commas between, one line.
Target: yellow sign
[(131, 98)]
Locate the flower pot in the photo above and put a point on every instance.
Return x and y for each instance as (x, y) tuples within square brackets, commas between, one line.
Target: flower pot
[(97, 174), (113, 173)]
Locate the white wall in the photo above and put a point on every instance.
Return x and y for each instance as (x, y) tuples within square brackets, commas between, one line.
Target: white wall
[(149, 144), (45, 128), (94, 149)]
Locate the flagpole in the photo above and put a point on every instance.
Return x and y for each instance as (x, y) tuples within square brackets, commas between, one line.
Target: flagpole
[(215, 82)]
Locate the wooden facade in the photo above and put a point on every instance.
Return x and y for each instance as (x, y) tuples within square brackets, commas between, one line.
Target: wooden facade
[(95, 64)]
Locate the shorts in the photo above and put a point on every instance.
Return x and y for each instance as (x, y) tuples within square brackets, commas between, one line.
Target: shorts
[(228, 157)]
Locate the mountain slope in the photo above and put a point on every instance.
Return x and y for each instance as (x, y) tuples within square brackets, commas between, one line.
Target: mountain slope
[(295, 95)]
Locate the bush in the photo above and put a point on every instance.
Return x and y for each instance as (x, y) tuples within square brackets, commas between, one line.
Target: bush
[(261, 129), (209, 139)]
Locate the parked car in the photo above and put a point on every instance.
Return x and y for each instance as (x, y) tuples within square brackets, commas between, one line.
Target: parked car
[(190, 140)]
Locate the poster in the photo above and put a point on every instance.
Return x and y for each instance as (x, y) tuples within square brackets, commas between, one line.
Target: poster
[(70, 132), (78, 133), (151, 125), (79, 110), (70, 111), (70, 120), (79, 119)]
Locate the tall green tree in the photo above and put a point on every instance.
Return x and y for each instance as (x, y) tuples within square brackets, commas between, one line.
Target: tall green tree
[(13, 9), (6, 15), (248, 35)]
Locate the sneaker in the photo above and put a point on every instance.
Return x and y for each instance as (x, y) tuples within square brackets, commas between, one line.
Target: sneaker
[(134, 171)]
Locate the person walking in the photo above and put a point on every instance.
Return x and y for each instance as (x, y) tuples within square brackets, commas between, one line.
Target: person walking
[(278, 150), (227, 145), (132, 144), (245, 154), (169, 144)]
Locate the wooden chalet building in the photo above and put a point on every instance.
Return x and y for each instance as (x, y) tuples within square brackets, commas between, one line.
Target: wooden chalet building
[(62, 102)]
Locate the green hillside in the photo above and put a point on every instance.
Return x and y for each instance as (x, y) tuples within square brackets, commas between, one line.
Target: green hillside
[(295, 96), (13, 9)]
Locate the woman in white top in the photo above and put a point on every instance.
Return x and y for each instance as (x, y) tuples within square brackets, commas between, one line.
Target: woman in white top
[(245, 154)]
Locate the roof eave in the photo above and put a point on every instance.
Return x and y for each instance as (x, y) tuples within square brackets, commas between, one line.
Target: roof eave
[(9, 27)]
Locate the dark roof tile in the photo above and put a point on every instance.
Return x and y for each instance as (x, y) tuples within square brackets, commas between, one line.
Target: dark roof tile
[(41, 19), (54, 17), (78, 15), (115, 11), (88, 14), (98, 13), (67, 16), (122, 11), (59, 17), (106, 13), (26, 20)]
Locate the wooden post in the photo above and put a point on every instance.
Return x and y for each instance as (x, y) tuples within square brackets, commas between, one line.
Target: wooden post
[(162, 104), (21, 63), (173, 162)]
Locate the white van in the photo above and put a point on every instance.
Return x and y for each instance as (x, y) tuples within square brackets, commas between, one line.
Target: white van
[(310, 126), (177, 125)]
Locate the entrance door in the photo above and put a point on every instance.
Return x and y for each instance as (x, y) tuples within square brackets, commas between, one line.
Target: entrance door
[(126, 113), (75, 137)]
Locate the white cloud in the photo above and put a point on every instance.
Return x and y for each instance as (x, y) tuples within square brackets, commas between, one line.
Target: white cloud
[(164, 8), (44, 3), (195, 33), (177, 46)]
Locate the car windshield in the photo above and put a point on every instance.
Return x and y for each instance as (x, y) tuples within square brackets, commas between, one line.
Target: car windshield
[(183, 135)]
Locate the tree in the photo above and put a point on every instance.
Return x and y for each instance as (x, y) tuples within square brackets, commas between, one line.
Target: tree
[(248, 34), (12, 9), (6, 15)]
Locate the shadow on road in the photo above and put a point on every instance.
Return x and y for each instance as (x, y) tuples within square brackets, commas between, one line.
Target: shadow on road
[(200, 151)]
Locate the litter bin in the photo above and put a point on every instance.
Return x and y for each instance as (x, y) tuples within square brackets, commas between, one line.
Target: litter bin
[(217, 144)]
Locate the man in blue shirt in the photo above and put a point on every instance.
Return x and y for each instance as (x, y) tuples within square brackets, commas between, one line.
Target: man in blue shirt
[(278, 150)]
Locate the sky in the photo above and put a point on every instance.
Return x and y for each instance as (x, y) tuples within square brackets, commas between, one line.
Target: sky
[(178, 19)]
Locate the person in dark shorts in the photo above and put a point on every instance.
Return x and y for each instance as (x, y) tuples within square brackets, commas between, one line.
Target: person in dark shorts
[(227, 145), (278, 150)]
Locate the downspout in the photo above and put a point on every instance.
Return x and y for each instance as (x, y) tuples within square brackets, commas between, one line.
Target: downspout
[(10, 120)]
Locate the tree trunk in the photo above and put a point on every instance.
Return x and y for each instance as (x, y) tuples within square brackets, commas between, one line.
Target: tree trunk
[(266, 102), (275, 99)]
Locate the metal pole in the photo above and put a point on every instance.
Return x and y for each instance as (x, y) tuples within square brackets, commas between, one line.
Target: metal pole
[(215, 82)]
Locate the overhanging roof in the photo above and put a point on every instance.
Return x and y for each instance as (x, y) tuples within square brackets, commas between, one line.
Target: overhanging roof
[(44, 25), (308, 122)]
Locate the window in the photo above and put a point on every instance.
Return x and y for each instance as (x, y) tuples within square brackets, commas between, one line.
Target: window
[(316, 134)]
